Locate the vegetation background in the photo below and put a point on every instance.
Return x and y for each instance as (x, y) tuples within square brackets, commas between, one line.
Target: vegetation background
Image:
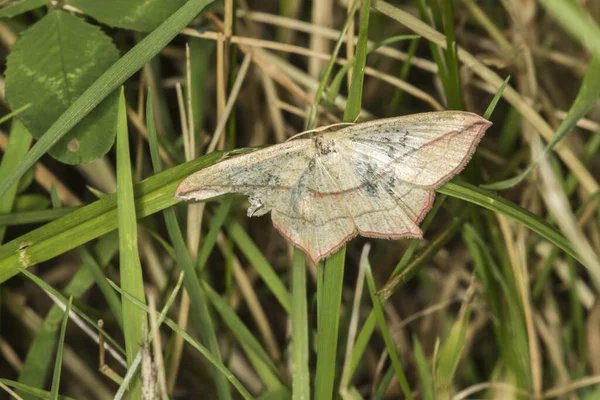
[(108, 105)]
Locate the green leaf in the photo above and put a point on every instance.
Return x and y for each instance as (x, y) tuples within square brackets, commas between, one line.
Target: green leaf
[(59, 352), (132, 281), (21, 6), (126, 66), (50, 66), (139, 15)]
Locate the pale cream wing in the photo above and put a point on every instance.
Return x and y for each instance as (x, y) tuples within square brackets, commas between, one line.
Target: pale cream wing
[(318, 224), (265, 176), (424, 150), (378, 204)]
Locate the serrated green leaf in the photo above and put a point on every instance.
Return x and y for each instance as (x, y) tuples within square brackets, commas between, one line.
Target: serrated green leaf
[(50, 66), (17, 7), (139, 15)]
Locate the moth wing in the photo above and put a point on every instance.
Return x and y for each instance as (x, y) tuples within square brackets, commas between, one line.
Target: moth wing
[(311, 218), (264, 175), (377, 203), (425, 150)]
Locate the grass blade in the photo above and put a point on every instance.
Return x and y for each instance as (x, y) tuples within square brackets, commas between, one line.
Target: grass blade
[(129, 260), (90, 222), (200, 313), (301, 378), (19, 141), (258, 260), (354, 104), (201, 349), (328, 323), (380, 316), (586, 98), (59, 352)]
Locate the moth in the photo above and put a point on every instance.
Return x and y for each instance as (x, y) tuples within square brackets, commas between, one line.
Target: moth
[(376, 178)]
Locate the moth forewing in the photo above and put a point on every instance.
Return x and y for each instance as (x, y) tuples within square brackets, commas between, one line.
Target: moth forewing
[(375, 179)]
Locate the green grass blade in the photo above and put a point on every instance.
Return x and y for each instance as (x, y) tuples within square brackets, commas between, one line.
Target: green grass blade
[(260, 263), (312, 117), (200, 313), (328, 323), (579, 23), (354, 104), (129, 260), (451, 350), (41, 349), (160, 319), (59, 352), (43, 285), (90, 222), (113, 301), (301, 378), (210, 239), (256, 353), (423, 370), (403, 74), (337, 81), (32, 217), (498, 204), (380, 316), (114, 77), (195, 344), (453, 89), (19, 141), (369, 325), (492, 106), (586, 98), (36, 393)]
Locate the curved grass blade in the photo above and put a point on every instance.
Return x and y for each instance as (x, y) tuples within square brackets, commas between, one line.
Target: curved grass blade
[(491, 201), (114, 77), (59, 352), (586, 98)]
